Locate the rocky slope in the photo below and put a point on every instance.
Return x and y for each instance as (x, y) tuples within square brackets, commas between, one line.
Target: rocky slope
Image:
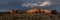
[(34, 16)]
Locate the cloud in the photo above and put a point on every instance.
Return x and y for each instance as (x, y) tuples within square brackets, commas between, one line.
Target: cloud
[(30, 4), (41, 4), (46, 3)]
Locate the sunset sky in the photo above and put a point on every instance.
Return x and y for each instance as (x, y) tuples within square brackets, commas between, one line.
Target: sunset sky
[(17, 4)]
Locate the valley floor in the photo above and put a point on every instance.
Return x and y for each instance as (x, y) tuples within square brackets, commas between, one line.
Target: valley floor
[(34, 16)]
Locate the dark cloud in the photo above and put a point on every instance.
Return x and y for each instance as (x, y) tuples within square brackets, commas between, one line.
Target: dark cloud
[(17, 4)]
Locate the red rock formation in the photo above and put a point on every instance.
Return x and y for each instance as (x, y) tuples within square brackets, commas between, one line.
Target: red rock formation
[(33, 11), (16, 11), (40, 11)]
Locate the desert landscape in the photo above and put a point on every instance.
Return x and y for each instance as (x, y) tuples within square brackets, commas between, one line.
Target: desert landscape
[(26, 16), (32, 14), (29, 9)]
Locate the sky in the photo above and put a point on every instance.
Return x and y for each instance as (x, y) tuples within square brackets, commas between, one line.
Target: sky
[(18, 4)]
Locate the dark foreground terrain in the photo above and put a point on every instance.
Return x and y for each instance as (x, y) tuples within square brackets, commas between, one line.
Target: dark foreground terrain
[(35, 16)]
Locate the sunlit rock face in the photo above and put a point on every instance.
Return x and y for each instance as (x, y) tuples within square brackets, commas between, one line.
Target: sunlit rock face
[(32, 11), (12, 11), (47, 11), (16, 11)]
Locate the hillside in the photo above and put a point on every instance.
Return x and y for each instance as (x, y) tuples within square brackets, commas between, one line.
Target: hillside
[(34, 16)]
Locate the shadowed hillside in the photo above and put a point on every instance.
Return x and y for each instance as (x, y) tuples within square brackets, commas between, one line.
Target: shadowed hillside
[(34, 16)]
